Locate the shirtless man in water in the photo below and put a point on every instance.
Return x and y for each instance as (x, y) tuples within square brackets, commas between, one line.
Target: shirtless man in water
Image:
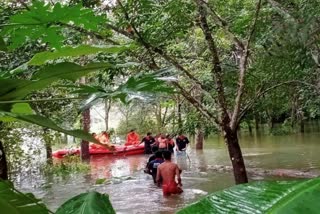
[(166, 174)]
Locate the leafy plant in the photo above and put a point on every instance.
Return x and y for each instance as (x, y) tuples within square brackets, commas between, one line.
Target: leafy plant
[(92, 202), (69, 165), (41, 21), (262, 197), (13, 201)]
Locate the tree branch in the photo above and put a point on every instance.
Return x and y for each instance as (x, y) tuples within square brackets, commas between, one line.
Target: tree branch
[(157, 50), (216, 65), (93, 34), (224, 25), (204, 111), (243, 69)]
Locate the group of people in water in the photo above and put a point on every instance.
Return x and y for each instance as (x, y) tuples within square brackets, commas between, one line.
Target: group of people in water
[(165, 173), (160, 166)]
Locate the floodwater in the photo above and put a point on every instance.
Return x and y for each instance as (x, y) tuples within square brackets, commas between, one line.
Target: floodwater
[(133, 191)]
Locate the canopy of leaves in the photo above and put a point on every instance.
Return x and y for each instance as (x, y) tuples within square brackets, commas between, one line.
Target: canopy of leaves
[(44, 22)]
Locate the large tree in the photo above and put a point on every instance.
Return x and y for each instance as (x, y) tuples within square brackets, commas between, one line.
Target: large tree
[(233, 34)]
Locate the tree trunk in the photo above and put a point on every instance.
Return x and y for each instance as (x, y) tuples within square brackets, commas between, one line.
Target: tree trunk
[(199, 138), (49, 152), (47, 140), (107, 107), (302, 122), (294, 110), (3, 164), (235, 154), (249, 127), (86, 127), (257, 121), (65, 138), (179, 115), (272, 123)]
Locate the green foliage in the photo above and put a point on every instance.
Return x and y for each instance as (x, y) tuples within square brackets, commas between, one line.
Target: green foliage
[(68, 165), (282, 129), (45, 122), (141, 124), (43, 57), (175, 15), (13, 201), (21, 108), (13, 89), (194, 120), (136, 87), (12, 135), (3, 46), (91, 202), (141, 84), (46, 23), (262, 197)]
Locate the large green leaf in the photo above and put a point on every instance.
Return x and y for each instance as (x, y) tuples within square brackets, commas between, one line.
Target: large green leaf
[(42, 57), (136, 87), (46, 22), (91, 202), (292, 197), (12, 89), (14, 202)]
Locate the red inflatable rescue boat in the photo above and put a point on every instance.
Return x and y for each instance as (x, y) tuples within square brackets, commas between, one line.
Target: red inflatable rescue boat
[(99, 150)]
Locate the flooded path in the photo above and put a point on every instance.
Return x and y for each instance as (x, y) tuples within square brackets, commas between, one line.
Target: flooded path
[(133, 191)]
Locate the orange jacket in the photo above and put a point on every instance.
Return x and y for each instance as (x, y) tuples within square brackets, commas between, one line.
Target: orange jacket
[(132, 138)]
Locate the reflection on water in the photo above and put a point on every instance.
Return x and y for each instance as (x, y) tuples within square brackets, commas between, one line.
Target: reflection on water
[(132, 191)]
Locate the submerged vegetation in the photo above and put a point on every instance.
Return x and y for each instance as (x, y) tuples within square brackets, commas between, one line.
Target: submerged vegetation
[(66, 166), (192, 66)]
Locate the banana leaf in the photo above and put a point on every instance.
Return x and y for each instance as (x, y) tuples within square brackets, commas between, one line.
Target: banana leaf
[(85, 203), (285, 197), (14, 202)]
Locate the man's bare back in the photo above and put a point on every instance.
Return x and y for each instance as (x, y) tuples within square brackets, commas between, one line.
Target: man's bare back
[(168, 171), (166, 174)]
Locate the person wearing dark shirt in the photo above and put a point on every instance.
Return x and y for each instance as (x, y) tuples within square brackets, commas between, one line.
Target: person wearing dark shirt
[(151, 158), (148, 141), (153, 165), (170, 143), (181, 143)]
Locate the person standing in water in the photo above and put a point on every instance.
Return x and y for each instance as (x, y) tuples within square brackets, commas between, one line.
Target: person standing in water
[(153, 165), (132, 138), (163, 143), (167, 173), (148, 141), (181, 142), (170, 143)]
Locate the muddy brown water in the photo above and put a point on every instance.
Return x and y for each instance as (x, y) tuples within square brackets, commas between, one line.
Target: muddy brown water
[(132, 191)]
